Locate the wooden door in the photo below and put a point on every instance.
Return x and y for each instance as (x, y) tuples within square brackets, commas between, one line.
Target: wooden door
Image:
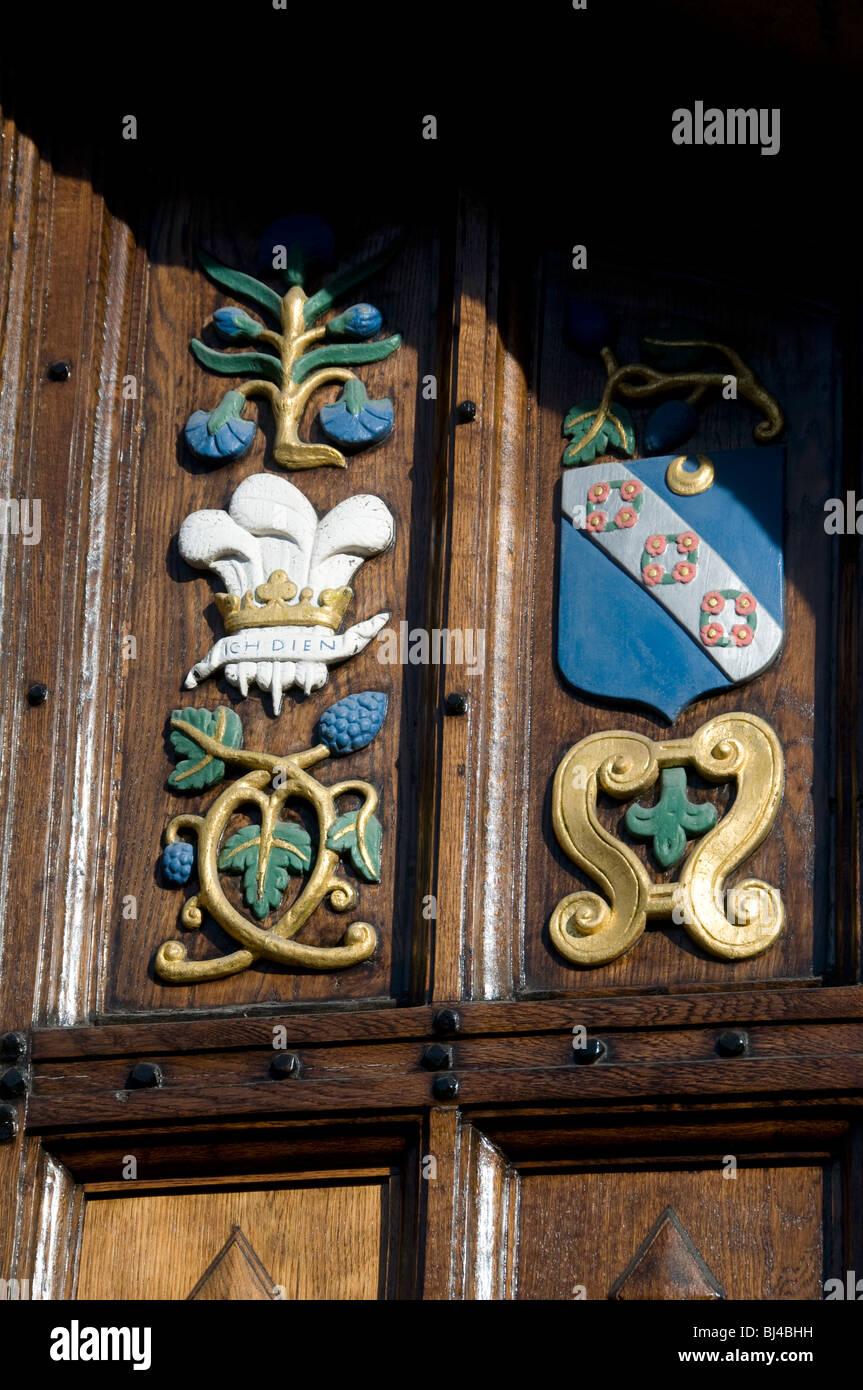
[(439, 1134)]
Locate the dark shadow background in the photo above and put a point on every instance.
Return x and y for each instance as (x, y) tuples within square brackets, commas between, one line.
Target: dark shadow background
[(561, 117)]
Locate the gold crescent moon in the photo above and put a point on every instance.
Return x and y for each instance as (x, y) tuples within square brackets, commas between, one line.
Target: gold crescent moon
[(686, 483)]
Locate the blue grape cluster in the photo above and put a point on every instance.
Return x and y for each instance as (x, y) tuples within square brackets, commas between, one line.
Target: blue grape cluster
[(353, 722), (670, 424), (177, 861)]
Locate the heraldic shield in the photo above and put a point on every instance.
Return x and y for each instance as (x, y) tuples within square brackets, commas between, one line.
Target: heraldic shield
[(666, 596)]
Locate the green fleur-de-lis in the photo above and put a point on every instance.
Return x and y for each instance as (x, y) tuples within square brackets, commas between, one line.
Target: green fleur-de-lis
[(672, 818)]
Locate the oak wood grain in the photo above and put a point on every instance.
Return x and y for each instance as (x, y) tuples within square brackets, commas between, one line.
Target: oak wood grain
[(759, 1234), (476, 1018), (314, 1240)]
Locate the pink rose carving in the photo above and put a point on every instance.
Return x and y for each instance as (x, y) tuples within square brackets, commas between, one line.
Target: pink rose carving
[(684, 573)]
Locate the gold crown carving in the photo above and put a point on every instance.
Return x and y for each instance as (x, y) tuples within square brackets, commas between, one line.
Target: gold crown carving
[(274, 609)]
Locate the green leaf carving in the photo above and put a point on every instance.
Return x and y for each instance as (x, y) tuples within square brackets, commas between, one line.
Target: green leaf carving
[(239, 283), (290, 853), (364, 849), (668, 822), (197, 769), (354, 395), (239, 363), (230, 407), (344, 355), (616, 432), (324, 299)]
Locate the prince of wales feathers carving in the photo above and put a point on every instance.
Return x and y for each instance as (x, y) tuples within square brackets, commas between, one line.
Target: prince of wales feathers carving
[(286, 583)]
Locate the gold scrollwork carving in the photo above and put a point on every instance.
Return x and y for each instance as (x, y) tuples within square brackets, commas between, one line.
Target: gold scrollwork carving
[(593, 928)]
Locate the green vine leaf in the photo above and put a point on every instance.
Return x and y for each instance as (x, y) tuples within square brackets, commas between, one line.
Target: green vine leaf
[(197, 769), (290, 853), (345, 354), (364, 849), (239, 283), (238, 363), (319, 303), (616, 432)]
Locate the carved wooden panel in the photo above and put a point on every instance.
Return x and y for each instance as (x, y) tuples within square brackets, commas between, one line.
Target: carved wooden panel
[(669, 1234), (301, 1241), (168, 607), (797, 695)]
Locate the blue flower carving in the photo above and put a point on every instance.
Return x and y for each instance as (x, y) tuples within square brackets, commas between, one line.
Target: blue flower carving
[(354, 420), (236, 323), (360, 321), (220, 433)]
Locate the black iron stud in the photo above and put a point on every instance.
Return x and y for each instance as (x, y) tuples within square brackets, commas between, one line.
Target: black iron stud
[(287, 1064), (594, 1049), (437, 1057), (12, 1045), (456, 702), (732, 1043), (447, 1021), (13, 1083), (144, 1074), (445, 1086)]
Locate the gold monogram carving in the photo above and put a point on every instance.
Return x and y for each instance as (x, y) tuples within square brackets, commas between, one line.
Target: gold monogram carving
[(591, 928)]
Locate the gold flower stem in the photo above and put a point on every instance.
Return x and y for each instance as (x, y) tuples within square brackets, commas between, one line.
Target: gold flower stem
[(289, 400), (288, 449), (274, 339), (260, 388)]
